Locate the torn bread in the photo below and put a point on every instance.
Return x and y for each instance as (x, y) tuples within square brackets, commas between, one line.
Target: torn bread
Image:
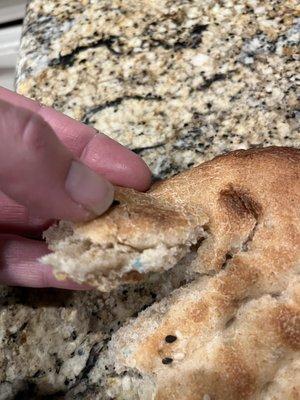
[(139, 235)]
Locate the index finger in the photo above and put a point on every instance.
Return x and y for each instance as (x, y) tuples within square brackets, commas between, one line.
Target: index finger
[(100, 153)]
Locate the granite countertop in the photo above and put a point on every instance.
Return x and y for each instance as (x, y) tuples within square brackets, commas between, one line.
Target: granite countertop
[(178, 82)]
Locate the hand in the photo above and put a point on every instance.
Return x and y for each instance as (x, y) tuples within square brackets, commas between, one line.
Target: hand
[(52, 167)]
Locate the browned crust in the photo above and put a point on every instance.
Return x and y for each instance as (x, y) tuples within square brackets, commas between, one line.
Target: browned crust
[(239, 332)]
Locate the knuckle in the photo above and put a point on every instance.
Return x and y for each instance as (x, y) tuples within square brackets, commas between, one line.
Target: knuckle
[(85, 152)]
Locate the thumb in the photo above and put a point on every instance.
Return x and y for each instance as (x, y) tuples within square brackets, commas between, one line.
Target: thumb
[(36, 170)]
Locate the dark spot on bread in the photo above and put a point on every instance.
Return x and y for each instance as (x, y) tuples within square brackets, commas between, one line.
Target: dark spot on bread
[(230, 322), (115, 203), (239, 202), (275, 295), (167, 360), (170, 338), (266, 386)]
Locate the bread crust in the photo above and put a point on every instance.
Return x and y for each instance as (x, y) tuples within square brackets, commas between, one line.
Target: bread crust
[(237, 326)]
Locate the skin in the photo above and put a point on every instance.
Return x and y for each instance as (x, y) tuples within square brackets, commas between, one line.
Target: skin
[(52, 167)]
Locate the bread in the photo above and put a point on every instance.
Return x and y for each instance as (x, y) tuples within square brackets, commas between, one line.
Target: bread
[(234, 331), (140, 235)]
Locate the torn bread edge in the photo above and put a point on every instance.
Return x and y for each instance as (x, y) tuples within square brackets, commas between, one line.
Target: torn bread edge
[(106, 266)]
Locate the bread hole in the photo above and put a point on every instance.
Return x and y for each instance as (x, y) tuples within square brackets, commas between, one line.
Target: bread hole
[(266, 386), (194, 247), (228, 257), (85, 245), (167, 360), (230, 322), (170, 338), (237, 302), (275, 294), (244, 300), (115, 203)]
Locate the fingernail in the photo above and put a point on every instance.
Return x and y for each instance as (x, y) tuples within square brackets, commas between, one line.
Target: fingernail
[(89, 189)]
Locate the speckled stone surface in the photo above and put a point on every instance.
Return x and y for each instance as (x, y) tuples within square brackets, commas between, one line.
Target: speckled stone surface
[(178, 82)]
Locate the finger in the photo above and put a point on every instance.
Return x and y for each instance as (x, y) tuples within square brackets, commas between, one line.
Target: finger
[(19, 265), (102, 154), (36, 170), (15, 218)]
